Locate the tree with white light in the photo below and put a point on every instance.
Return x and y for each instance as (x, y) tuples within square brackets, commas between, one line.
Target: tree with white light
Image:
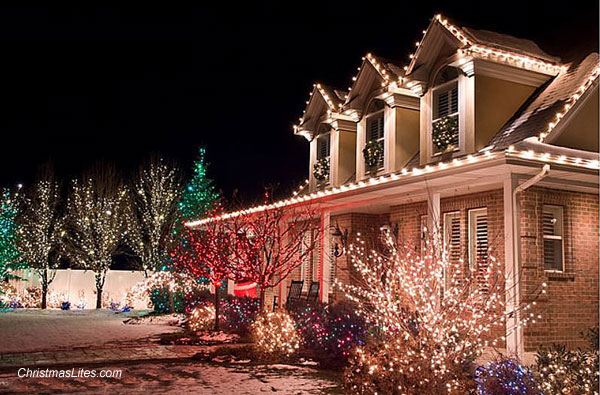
[(97, 216), (41, 228), (435, 316), (155, 194)]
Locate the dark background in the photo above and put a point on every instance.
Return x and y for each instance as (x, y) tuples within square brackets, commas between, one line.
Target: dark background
[(82, 85)]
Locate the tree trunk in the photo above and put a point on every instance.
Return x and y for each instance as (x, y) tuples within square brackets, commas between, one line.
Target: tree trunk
[(44, 296), (171, 301), (216, 308), (261, 297), (44, 289), (98, 298)]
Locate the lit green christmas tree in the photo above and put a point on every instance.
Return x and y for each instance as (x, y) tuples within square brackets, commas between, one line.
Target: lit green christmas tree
[(200, 197), (10, 258)]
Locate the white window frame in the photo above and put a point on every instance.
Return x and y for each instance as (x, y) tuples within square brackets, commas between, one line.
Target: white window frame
[(378, 113), (561, 237), (434, 91), (472, 219), (306, 262)]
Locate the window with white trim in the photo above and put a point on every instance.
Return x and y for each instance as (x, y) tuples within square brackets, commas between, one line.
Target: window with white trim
[(479, 244), (306, 260), (553, 228), (445, 118)]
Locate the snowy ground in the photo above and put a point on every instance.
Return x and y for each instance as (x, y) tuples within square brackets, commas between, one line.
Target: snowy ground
[(28, 330), (94, 333), (187, 377)]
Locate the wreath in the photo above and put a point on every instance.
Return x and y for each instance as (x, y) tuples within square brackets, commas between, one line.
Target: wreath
[(373, 152), (321, 169), (444, 132)]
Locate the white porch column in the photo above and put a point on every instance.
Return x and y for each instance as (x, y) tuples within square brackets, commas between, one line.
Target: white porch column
[(325, 256), (512, 254), (433, 212)]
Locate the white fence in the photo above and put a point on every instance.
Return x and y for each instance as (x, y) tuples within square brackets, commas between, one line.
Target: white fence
[(80, 284)]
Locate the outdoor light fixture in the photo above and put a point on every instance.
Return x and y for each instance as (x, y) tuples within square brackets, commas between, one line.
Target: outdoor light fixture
[(343, 238)]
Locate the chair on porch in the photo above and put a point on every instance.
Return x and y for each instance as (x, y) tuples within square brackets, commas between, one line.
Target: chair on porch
[(313, 292), (294, 294)]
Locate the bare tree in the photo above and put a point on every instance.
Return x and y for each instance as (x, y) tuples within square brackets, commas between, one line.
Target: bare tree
[(270, 244), (97, 214), (41, 227), (156, 192)]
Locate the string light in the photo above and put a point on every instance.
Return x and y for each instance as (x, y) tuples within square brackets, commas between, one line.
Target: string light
[(275, 333), (402, 175)]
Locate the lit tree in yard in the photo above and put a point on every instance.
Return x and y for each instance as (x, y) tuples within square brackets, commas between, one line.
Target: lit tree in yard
[(97, 216), (435, 317), (155, 194), (206, 253), (10, 259), (270, 244), (42, 226), (200, 197)]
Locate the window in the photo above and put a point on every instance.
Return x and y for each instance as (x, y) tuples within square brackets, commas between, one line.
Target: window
[(478, 244), (552, 225), (445, 118), (323, 146), (375, 135)]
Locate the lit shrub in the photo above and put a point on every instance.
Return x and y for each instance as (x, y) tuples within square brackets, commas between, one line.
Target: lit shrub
[(329, 332), (567, 371), (396, 365), (201, 318), (275, 335), (238, 314), (505, 377)]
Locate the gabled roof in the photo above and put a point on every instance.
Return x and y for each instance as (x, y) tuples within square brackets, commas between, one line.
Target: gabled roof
[(548, 104), (323, 99), (374, 73), (445, 38)]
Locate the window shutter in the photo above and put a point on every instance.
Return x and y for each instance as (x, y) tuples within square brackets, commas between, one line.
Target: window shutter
[(452, 236), (323, 147), (305, 267), (375, 128), (423, 233), (447, 102), (478, 245), (482, 250), (332, 266), (316, 260), (552, 227), (453, 94)]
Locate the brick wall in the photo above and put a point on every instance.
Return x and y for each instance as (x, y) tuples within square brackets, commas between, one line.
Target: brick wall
[(571, 303)]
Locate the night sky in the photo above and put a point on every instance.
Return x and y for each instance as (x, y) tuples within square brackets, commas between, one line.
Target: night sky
[(118, 84)]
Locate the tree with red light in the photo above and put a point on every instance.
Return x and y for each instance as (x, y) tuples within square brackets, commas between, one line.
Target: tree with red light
[(270, 244), (206, 252)]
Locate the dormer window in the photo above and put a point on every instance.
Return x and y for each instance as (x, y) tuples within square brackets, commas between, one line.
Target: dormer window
[(322, 166), (444, 128), (374, 149)]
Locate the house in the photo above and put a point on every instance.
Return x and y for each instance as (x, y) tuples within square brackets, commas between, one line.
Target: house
[(485, 135)]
